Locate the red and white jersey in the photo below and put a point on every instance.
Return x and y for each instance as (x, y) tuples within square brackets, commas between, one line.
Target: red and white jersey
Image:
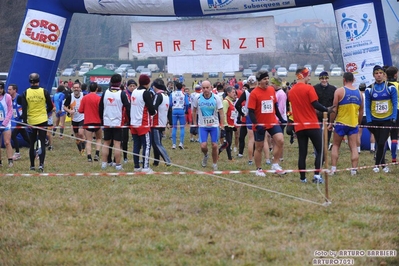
[(139, 115), (161, 117), (112, 108)]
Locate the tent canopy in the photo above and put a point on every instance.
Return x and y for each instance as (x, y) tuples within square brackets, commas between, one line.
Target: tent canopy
[(101, 71)]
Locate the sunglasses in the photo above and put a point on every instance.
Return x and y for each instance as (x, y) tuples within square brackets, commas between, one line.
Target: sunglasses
[(326, 78)]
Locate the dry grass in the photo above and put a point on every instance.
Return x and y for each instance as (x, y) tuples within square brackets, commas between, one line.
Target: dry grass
[(191, 219)]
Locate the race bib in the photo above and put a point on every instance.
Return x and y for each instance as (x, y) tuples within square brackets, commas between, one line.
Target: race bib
[(267, 107), (14, 113), (1, 116), (233, 115), (209, 120), (381, 107)]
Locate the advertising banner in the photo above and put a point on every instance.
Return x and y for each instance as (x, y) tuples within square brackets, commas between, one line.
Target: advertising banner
[(203, 37), (201, 64), (131, 7), (41, 34), (101, 80), (360, 41), (228, 6)]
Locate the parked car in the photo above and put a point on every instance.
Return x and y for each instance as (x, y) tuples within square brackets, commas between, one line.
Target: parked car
[(153, 67), (277, 66), (110, 66), (125, 67), (282, 72), (68, 72), (213, 75), (229, 74), (293, 67), (332, 66), (265, 68), (88, 65), (131, 73), (139, 68), (97, 66), (336, 72), (308, 66), (3, 76), (253, 67), (120, 71), (197, 75), (146, 71), (318, 70), (247, 72), (74, 66), (83, 71)]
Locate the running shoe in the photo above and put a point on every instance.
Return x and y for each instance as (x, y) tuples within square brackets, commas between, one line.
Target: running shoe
[(147, 171), (317, 179), (386, 169), (304, 180), (376, 169), (96, 158), (41, 169), (104, 165), (276, 167), (215, 167), (16, 156), (204, 161), (181, 146), (174, 146), (259, 172)]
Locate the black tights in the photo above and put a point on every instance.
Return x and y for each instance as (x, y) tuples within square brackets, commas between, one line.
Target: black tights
[(303, 137), (34, 135)]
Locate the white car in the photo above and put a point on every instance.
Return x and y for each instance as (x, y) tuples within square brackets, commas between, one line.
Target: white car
[(293, 67), (97, 66), (83, 71), (318, 70), (247, 72), (282, 72), (146, 71), (308, 67), (131, 73), (120, 71), (336, 72), (229, 74), (68, 72)]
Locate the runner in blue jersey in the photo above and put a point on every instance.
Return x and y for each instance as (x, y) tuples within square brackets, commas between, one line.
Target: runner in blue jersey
[(207, 106)]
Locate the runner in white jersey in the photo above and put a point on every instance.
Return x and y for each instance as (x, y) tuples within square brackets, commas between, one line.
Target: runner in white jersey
[(193, 129), (111, 108), (159, 121), (207, 106), (71, 105)]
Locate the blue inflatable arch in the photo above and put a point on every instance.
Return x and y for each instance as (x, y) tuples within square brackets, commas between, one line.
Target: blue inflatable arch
[(42, 52)]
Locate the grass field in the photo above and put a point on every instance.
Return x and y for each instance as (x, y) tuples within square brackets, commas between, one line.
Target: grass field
[(192, 219)]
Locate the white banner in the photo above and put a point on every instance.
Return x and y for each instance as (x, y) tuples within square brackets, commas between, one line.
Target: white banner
[(131, 7), (200, 64), (41, 34), (203, 37), (360, 42), (228, 6)]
